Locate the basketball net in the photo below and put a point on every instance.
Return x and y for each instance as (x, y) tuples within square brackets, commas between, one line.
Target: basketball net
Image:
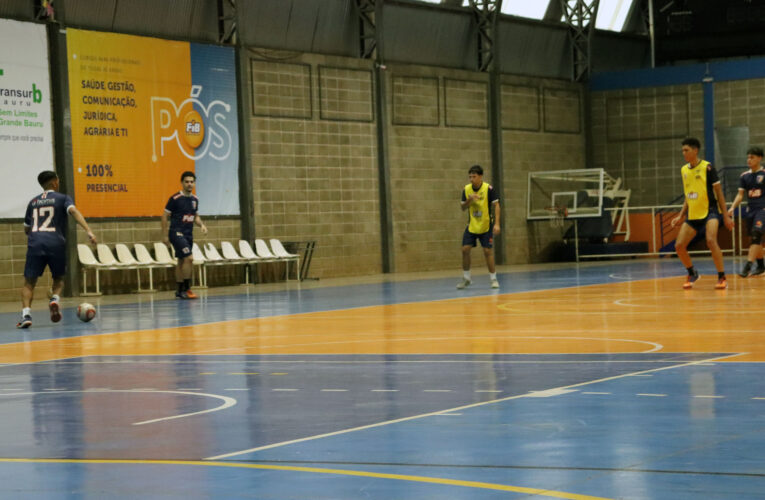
[(558, 216)]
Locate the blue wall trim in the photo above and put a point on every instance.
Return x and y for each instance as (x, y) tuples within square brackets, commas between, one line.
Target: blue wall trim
[(679, 75)]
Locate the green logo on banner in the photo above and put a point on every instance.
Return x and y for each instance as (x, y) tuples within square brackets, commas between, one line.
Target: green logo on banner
[(1, 72)]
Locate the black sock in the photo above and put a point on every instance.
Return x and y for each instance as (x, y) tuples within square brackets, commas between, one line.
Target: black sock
[(720, 275), (748, 265), (186, 284), (760, 263), (180, 286), (691, 271)]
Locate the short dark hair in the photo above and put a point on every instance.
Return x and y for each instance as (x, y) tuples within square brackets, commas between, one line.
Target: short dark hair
[(45, 177), (188, 173), (476, 169), (755, 151), (692, 142)]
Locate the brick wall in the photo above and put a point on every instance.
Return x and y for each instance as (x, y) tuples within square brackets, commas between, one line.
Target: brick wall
[(314, 159)]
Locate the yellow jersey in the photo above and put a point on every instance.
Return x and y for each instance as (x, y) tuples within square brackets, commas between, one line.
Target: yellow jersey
[(697, 190), (479, 218)]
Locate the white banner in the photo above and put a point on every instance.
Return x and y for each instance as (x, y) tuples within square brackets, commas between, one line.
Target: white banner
[(26, 144)]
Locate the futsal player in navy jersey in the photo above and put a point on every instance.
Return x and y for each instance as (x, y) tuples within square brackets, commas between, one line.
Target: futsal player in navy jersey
[(752, 182), (45, 224), (182, 209)]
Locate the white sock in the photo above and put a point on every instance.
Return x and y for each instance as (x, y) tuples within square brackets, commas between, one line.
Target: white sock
[(55, 298), (466, 275), (492, 276), (27, 311)]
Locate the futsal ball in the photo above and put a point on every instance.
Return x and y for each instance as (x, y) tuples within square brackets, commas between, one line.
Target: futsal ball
[(86, 312)]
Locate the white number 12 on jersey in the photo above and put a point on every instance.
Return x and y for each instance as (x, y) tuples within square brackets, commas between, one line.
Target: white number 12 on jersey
[(46, 214)]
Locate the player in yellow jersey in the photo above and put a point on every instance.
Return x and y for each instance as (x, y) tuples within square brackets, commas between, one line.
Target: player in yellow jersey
[(480, 198), (705, 205)]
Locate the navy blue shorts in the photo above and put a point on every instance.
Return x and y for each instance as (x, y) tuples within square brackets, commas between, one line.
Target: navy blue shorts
[(699, 224), (181, 244), (469, 239), (39, 257), (755, 220)]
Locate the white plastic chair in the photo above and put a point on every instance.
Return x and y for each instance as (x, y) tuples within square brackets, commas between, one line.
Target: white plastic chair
[(106, 257), (246, 251), (261, 247), (125, 257), (201, 261), (230, 254), (88, 261), (145, 259), (279, 250), (162, 254)]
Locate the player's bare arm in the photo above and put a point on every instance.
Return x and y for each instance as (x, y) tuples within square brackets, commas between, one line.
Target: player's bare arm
[(198, 222), (496, 217), (721, 203), (736, 201), (83, 224), (676, 220)]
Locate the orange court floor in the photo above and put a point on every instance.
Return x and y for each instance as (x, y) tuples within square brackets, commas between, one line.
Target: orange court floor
[(594, 380)]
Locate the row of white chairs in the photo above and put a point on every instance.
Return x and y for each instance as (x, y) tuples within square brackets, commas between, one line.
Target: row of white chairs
[(105, 260)]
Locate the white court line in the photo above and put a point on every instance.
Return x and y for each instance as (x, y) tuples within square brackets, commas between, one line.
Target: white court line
[(656, 346), (430, 414), (236, 389), (227, 401), (384, 390), (708, 396), (436, 390), (334, 390), (284, 390), (652, 395), (486, 390)]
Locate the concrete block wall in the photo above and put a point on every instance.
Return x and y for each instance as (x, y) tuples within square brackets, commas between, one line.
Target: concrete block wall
[(542, 130), (438, 128), (636, 135), (314, 166), (742, 103)]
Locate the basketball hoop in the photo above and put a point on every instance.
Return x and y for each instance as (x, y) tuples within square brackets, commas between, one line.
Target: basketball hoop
[(557, 216)]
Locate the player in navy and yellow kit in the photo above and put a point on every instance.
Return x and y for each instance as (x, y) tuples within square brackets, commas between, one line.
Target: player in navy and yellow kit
[(45, 224), (480, 198), (705, 204), (752, 182), (182, 209)]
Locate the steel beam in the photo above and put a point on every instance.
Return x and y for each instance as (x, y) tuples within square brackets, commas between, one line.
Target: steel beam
[(486, 13), (227, 21), (580, 16)]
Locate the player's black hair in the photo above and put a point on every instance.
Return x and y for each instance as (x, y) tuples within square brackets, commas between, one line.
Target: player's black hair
[(188, 173), (692, 142), (755, 151), (45, 177), (476, 169)]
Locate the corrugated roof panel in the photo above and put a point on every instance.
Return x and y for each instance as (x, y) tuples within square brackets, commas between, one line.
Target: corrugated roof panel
[(18, 9), (185, 19), (328, 26)]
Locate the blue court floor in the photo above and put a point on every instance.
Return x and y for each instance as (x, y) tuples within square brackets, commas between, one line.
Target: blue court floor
[(645, 423)]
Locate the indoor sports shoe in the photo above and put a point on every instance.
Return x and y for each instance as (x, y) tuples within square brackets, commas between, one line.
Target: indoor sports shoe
[(722, 284), (757, 271), (691, 279), (55, 311), (494, 284), (747, 271), (191, 295), (462, 284), (25, 322), (181, 295)]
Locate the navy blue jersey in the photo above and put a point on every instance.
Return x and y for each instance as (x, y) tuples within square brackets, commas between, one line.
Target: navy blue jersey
[(753, 183), (47, 216), (183, 212)]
